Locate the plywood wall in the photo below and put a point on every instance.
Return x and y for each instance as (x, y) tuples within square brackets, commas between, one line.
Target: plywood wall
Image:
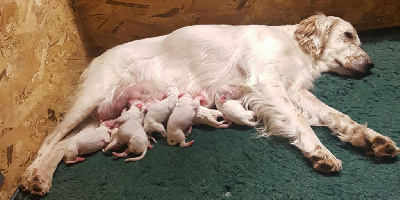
[(112, 22), (41, 58)]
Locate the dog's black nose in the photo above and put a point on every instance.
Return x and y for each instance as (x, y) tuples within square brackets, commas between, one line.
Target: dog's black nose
[(370, 64)]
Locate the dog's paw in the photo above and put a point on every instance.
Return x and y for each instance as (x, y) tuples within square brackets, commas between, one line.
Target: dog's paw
[(223, 125), (35, 182), (381, 146), (327, 165), (323, 160)]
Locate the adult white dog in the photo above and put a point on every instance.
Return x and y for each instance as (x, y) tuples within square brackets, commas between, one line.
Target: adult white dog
[(279, 62)]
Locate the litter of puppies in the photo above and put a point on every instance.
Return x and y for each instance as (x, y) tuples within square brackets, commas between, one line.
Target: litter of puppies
[(142, 115)]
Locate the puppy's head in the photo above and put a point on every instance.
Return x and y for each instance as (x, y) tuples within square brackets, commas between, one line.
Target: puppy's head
[(225, 93), (171, 90), (333, 43)]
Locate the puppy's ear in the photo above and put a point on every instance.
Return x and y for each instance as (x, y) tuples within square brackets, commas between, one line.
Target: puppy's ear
[(313, 32), (222, 99)]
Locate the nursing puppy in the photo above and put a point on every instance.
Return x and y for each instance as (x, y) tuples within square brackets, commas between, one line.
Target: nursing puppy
[(159, 112), (279, 62), (90, 139), (210, 117), (180, 122), (233, 109), (130, 132)]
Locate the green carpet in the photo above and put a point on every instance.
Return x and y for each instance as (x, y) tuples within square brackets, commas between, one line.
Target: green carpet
[(231, 164)]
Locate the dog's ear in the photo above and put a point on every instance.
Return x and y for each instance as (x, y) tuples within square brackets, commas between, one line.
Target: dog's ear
[(313, 32)]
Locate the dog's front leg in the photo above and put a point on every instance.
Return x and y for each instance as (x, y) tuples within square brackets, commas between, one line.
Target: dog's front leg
[(319, 114), (272, 105)]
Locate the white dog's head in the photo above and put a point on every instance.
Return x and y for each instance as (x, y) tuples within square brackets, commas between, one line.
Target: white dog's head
[(333, 43)]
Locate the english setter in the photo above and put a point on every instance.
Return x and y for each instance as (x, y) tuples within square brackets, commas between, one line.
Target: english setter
[(279, 62)]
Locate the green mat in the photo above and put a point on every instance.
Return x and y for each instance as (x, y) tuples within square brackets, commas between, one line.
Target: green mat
[(232, 164)]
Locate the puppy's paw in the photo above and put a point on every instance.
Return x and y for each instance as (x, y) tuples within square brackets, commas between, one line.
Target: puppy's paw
[(223, 125), (381, 146)]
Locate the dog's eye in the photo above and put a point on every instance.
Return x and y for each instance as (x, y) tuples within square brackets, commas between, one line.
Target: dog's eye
[(348, 35)]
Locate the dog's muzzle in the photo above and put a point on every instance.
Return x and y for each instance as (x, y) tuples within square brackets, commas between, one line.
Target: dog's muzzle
[(363, 65), (359, 64)]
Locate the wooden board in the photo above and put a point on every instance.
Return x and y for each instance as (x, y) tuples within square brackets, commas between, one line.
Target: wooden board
[(41, 58), (112, 22)]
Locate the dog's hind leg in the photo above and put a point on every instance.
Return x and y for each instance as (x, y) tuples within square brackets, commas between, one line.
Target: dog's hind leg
[(112, 144), (35, 178), (319, 114), (155, 126), (279, 116), (39, 181)]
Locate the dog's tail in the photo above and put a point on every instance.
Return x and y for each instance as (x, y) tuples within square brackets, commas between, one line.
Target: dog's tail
[(250, 123), (186, 144), (138, 158)]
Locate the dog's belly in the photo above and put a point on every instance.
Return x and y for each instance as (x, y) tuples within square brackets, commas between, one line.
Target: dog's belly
[(200, 77), (194, 60)]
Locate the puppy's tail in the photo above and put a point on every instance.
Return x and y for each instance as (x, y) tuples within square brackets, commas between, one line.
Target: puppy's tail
[(138, 158), (255, 121), (250, 123), (186, 144)]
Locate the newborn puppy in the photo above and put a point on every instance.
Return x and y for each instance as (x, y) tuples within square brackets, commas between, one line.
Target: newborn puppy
[(181, 120), (232, 108), (130, 131), (88, 140), (209, 116), (160, 111)]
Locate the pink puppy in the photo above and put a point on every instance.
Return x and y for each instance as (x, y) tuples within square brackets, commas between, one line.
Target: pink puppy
[(232, 108), (160, 111), (130, 132), (181, 120), (88, 140)]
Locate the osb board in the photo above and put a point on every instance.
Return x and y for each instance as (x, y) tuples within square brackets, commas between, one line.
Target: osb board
[(41, 58), (112, 22)]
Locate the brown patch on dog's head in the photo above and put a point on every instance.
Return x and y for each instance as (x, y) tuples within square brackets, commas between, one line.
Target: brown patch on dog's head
[(334, 44), (313, 32)]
